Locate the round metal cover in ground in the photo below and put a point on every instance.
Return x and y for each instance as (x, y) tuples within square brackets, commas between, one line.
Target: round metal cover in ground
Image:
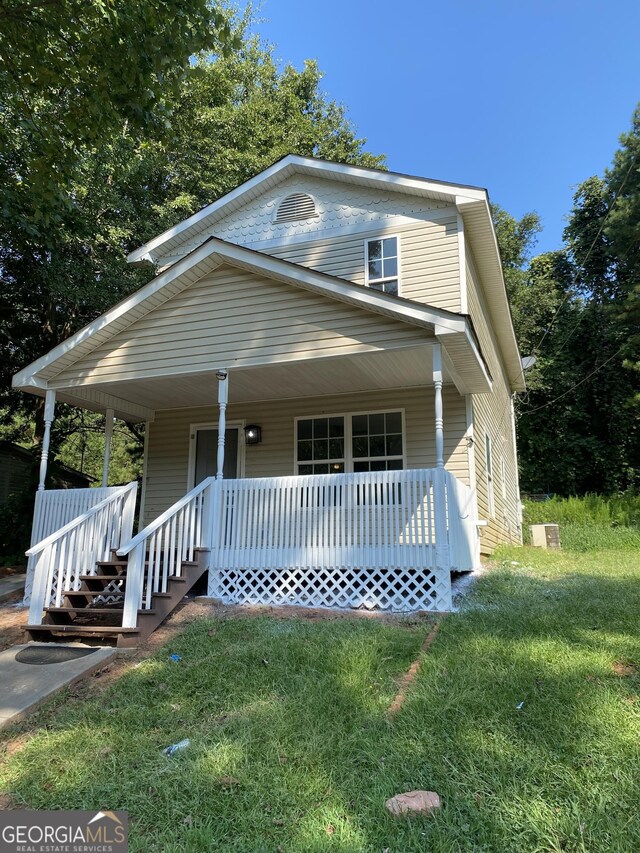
[(40, 655)]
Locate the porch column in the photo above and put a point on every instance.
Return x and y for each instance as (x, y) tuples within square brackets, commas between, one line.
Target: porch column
[(108, 432), (439, 484), (223, 396), (49, 406)]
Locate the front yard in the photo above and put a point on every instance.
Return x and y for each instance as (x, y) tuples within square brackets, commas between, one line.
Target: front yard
[(292, 748)]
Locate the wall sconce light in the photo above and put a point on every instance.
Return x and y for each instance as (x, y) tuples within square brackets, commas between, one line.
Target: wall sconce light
[(221, 375), (470, 442), (252, 434)]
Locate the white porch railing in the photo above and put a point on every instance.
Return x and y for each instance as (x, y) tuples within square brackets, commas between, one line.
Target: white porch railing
[(343, 540), (462, 527), (74, 549), (53, 509), (158, 551)]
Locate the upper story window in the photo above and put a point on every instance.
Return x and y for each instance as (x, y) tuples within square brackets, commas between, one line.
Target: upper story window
[(381, 264), (296, 206)]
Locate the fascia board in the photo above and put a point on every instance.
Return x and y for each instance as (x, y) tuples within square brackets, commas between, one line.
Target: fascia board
[(25, 377), (294, 163), (219, 251)]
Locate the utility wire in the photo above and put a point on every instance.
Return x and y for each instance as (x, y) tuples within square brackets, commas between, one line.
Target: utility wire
[(573, 387), (590, 250), (535, 350)]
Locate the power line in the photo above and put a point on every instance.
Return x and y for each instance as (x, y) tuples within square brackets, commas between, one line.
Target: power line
[(573, 387), (591, 248), (536, 349)]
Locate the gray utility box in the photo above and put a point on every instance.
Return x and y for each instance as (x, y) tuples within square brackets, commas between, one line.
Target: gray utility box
[(545, 535)]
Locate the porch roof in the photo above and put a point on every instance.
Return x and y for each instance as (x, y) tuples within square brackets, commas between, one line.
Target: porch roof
[(136, 398)]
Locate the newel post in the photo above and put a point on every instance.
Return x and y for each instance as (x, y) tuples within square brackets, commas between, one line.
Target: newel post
[(49, 406), (108, 433), (133, 590), (439, 483), (223, 398)]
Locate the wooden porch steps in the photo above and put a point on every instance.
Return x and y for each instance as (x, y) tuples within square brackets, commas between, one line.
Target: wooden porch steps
[(86, 616)]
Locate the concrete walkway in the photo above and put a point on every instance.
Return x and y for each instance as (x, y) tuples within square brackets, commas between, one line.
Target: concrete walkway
[(23, 686), (11, 584)]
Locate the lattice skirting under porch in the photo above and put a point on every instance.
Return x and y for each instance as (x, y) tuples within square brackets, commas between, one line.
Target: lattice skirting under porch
[(400, 590)]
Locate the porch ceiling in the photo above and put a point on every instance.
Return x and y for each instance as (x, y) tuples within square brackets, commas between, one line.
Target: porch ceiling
[(407, 367)]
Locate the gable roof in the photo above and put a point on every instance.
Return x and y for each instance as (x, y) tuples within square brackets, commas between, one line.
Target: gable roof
[(471, 202), (284, 168), (213, 253)]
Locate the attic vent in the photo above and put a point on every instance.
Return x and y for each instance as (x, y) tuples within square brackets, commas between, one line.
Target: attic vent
[(296, 206)]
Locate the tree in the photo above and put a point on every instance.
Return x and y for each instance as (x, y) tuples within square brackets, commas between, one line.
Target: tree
[(238, 115), (578, 427), (233, 116), (73, 72)]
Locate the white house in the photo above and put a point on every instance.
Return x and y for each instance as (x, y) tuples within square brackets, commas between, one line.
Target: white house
[(326, 364)]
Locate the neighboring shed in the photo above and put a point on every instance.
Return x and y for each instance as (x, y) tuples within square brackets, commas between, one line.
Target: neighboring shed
[(16, 465)]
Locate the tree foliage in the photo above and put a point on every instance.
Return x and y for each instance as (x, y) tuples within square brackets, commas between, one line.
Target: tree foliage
[(231, 115), (577, 311), (72, 72)]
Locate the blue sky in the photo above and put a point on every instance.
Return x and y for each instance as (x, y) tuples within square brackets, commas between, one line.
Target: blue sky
[(524, 98)]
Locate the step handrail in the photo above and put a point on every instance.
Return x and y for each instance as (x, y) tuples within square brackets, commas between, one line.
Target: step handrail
[(74, 548), (78, 520), (159, 550), (161, 519)]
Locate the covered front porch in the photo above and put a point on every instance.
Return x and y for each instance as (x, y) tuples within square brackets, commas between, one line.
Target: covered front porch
[(383, 530), (358, 494)]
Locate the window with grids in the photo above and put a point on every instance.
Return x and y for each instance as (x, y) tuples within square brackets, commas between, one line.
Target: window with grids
[(376, 442), (320, 446), (382, 264), (366, 442)]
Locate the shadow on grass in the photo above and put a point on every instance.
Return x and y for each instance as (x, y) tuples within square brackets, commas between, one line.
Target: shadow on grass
[(291, 748)]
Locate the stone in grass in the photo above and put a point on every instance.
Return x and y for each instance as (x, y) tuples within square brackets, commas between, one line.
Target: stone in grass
[(413, 803)]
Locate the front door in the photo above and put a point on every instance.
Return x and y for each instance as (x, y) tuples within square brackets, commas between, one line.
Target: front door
[(206, 439)]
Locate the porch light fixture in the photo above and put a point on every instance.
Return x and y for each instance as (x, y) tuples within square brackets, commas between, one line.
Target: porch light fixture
[(221, 375), (252, 434)]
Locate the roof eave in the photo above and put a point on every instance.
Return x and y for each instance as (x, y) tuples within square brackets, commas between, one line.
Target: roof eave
[(292, 163), (219, 251)]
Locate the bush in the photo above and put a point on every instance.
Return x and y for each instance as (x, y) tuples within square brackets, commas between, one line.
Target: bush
[(591, 522), (16, 515)]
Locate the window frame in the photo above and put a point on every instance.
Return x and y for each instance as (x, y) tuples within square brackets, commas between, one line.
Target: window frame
[(348, 437), (488, 464), (398, 278)]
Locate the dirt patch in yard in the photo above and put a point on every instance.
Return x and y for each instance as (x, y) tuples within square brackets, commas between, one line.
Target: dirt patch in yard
[(12, 621), (624, 669), (10, 571), (410, 675)]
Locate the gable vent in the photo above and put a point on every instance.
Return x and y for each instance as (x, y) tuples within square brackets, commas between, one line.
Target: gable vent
[(296, 206)]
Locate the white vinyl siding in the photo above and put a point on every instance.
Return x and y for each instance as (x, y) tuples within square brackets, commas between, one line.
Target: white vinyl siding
[(429, 263), (234, 318), (492, 416), (339, 204), (168, 457), (488, 470), (332, 241)]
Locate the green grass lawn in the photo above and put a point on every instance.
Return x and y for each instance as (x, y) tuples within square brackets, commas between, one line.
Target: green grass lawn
[(291, 749)]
